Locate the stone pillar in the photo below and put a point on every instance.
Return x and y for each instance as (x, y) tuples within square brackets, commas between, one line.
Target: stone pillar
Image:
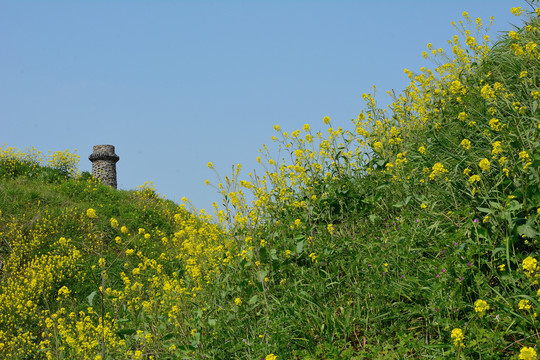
[(104, 164)]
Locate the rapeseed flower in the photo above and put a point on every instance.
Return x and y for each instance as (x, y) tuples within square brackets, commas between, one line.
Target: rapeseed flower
[(437, 169), (497, 148), (524, 305), (516, 11), (91, 213), (484, 164), (457, 337), (238, 301), (530, 266), (480, 306), (527, 353), (330, 228), (495, 124), (270, 357), (465, 144)]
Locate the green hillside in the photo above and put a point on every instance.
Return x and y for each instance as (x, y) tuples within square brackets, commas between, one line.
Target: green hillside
[(410, 232)]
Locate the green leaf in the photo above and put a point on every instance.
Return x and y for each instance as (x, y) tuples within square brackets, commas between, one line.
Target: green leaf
[(90, 297), (261, 274), (123, 332), (527, 229), (168, 336), (299, 247), (514, 205), (253, 299)]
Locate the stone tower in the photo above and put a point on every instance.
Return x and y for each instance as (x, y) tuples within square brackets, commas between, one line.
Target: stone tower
[(104, 164)]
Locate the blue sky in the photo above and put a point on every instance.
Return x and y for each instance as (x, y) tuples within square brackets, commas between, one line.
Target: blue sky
[(176, 84)]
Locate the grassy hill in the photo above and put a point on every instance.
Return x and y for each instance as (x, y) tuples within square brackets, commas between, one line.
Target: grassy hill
[(410, 233)]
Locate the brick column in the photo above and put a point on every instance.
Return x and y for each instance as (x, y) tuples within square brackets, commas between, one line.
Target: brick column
[(104, 164)]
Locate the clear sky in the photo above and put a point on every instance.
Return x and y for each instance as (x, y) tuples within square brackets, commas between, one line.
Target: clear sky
[(176, 84)]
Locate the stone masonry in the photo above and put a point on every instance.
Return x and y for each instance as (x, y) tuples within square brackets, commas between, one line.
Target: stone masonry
[(104, 164)]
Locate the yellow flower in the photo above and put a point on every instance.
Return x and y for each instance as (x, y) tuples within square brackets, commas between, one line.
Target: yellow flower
[(306, 127), (270, 357), (437, 169), (330, 228), (497, 148), (530, 265), (313, 257), (326, 120), (501, 267), (377, 145), (64, 291), (277, 128), (495, 124), (91, 213), (484, 164), (474, 179), (480, 306), (457, 337), (238, 301), (465, 144), (527, 353), (422, 150), (210, 165), (524, 305), (516, 10), (114, 222), (423, 206), (524, 156), (124, 230)]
